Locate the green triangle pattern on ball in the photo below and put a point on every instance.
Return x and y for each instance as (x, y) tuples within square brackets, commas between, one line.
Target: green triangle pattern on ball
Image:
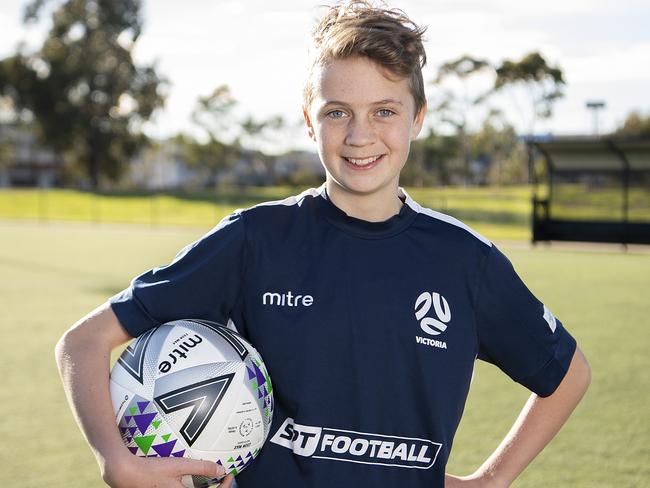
[(133, 410), (144, 442), (166, 437), (156, 423)]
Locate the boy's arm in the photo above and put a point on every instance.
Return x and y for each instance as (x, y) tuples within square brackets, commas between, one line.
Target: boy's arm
[(83, 357), (539, 421)]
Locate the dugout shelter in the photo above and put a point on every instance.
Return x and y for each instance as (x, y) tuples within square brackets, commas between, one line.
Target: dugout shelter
[(590, 189)]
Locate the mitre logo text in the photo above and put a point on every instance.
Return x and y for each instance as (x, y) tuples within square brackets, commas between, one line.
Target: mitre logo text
[(356, 447), (287, 299), (183, 345)]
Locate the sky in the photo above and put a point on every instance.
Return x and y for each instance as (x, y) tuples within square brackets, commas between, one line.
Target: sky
[(259, 49)]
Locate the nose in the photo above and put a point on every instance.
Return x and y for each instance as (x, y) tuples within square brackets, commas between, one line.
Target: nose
[(360, 133)]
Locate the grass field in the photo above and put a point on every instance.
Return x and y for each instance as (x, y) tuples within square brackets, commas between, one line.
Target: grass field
[(55, 272), (504, 212)]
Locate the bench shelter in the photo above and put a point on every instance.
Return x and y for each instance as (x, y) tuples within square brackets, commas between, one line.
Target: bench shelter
[(590, 189)]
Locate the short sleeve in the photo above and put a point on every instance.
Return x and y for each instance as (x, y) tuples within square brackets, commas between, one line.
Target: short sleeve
[(203, 281), (516, 332)]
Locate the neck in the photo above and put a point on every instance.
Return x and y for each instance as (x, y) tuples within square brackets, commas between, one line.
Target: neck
[(378, 207)]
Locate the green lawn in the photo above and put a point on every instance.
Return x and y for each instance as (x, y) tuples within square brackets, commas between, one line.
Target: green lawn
[(54, 272), (177, 209), (578, 202), (504, 213)]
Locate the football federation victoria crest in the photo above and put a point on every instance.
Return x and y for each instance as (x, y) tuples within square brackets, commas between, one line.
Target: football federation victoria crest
[(434, 314)]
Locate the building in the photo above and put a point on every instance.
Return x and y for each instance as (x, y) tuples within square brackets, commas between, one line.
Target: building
[(160, 166), (25, 162)]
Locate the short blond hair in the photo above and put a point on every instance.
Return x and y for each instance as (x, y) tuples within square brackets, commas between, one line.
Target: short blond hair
[(384, 35)]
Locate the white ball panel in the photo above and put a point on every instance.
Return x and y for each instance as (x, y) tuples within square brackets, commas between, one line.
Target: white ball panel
[(224, 350), (244, 428), (185, 347), (151, 355), (120, 377), (120, 397)]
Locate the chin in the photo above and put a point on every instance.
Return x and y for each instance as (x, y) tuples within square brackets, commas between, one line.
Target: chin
[(363, 187)]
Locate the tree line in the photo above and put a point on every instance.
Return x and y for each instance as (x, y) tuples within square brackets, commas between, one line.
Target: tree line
[(86, 98)]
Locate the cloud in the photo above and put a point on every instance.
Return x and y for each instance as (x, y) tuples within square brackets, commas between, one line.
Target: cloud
[(610, 65), (259, 47)]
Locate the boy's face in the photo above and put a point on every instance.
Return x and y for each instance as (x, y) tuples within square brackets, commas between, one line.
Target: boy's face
[(363, 123)]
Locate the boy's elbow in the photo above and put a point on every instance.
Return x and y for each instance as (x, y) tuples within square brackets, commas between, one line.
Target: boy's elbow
[(587, 374), (90, 333), (68, 339), (65, 347), (62, 354), (582, 368)]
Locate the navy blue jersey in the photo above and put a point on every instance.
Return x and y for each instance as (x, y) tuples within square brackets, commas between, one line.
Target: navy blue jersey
[(369, 331)]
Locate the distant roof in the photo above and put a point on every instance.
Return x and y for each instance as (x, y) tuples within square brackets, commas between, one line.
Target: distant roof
[(570, 153)]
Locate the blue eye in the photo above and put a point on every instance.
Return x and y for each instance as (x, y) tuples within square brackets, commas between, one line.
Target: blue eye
[(335, 114), (384, 112)]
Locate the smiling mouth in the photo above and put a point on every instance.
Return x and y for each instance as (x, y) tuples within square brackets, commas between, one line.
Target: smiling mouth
[(365, 162)]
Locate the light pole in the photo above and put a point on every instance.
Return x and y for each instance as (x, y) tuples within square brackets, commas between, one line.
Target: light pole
[(595, 106)]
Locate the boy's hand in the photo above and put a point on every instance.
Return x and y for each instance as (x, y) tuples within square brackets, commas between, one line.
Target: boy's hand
[(227, 481), (140, 472)]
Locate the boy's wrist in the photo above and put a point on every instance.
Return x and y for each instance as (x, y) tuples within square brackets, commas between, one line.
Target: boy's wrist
[(475, 480), (488, 479), (116, 465)]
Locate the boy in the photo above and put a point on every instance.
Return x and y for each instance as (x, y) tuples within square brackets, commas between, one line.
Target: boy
[(371, 367)]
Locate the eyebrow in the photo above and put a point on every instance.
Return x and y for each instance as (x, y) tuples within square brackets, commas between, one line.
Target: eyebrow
[(385, 101)]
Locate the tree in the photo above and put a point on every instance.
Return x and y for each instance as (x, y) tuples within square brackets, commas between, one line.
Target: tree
[(431, 160), (497, 147), (214, 114), (635, 125), (255, 133), (540, 83), (87, 97), (211, 158), (229, 135), (454, 107)]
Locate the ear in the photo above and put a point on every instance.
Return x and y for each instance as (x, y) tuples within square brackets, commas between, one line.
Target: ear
[(310, 126), (418, 122)]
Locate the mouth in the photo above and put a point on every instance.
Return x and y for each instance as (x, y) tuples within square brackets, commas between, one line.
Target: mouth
[(364, 163)]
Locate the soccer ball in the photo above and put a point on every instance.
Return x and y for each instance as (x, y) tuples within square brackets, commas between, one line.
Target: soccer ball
[(196, 389)]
